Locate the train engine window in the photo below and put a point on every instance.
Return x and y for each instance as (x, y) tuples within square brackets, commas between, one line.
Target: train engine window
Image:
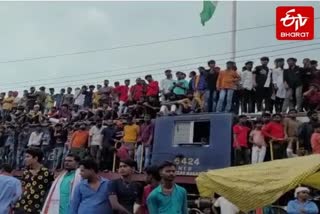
[(191, 132)]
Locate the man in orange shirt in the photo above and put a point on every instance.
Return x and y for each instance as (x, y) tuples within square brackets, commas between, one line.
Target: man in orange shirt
[(79, 141), (226, 84)]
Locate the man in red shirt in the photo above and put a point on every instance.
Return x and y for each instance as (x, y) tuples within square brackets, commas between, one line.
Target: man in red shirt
[(136, 91), (240, 141), (274, 130), (153, 180), (152, 88), (123, 92)]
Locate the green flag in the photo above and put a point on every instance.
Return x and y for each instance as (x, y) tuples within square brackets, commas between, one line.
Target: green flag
[(208, 10)]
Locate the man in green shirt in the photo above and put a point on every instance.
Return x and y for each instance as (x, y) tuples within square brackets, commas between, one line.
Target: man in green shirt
[(168, 197), (180, 86), (61, 191)]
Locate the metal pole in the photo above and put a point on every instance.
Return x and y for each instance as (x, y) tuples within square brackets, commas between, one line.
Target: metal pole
[(234, 31)]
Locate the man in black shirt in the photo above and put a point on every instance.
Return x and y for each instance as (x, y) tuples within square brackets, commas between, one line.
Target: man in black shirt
[(292, 78), (124, 193), (211, 93), (261, 84), (108, 135)]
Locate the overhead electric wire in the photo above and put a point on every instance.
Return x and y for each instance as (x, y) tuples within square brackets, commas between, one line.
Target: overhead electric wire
[(198, 63), (147, 65), (134, 45), (161, 73)]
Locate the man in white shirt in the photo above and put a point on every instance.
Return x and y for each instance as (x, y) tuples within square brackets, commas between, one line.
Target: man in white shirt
[(79, 97), (36, 137), (165, 85), (247, 104), (226, 207), (278, 83), (95, 141)]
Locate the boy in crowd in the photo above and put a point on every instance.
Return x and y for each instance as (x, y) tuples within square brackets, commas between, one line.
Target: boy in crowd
[(259, 145)]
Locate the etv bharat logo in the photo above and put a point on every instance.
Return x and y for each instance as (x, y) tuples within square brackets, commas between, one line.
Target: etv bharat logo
[(295, 23)]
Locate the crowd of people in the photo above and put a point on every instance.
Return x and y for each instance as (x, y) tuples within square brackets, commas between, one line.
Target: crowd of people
[(101, 124), (271, 137), (93, 120), (78, 189)]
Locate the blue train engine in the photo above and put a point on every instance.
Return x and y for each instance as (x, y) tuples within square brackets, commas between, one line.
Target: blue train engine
[(195, 142)]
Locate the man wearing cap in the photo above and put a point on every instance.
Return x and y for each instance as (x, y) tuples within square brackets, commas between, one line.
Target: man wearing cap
[(35, 116), (302, 204), (261, 84), (292, 81)]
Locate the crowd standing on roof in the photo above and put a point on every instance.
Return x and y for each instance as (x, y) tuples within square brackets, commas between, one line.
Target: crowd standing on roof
[(115, 123)]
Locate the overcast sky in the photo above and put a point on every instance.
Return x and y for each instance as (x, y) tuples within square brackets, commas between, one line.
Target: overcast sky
[(35, 29)]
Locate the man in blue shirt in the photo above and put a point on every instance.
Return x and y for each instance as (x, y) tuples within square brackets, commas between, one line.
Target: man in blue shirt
[(91, 195), (301, 204), (168, 197), (10, 189)]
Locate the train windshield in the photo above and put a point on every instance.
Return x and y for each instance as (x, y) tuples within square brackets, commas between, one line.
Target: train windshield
[(191, 132)]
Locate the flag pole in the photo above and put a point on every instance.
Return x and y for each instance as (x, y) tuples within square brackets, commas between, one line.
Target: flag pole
[(234, 30)]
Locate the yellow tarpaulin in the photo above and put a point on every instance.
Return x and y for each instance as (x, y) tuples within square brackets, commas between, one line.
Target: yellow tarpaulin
[(258, 185)]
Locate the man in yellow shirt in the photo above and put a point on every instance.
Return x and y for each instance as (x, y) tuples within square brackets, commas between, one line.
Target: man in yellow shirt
[(130, 136), (7, 104), (96, 98)]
